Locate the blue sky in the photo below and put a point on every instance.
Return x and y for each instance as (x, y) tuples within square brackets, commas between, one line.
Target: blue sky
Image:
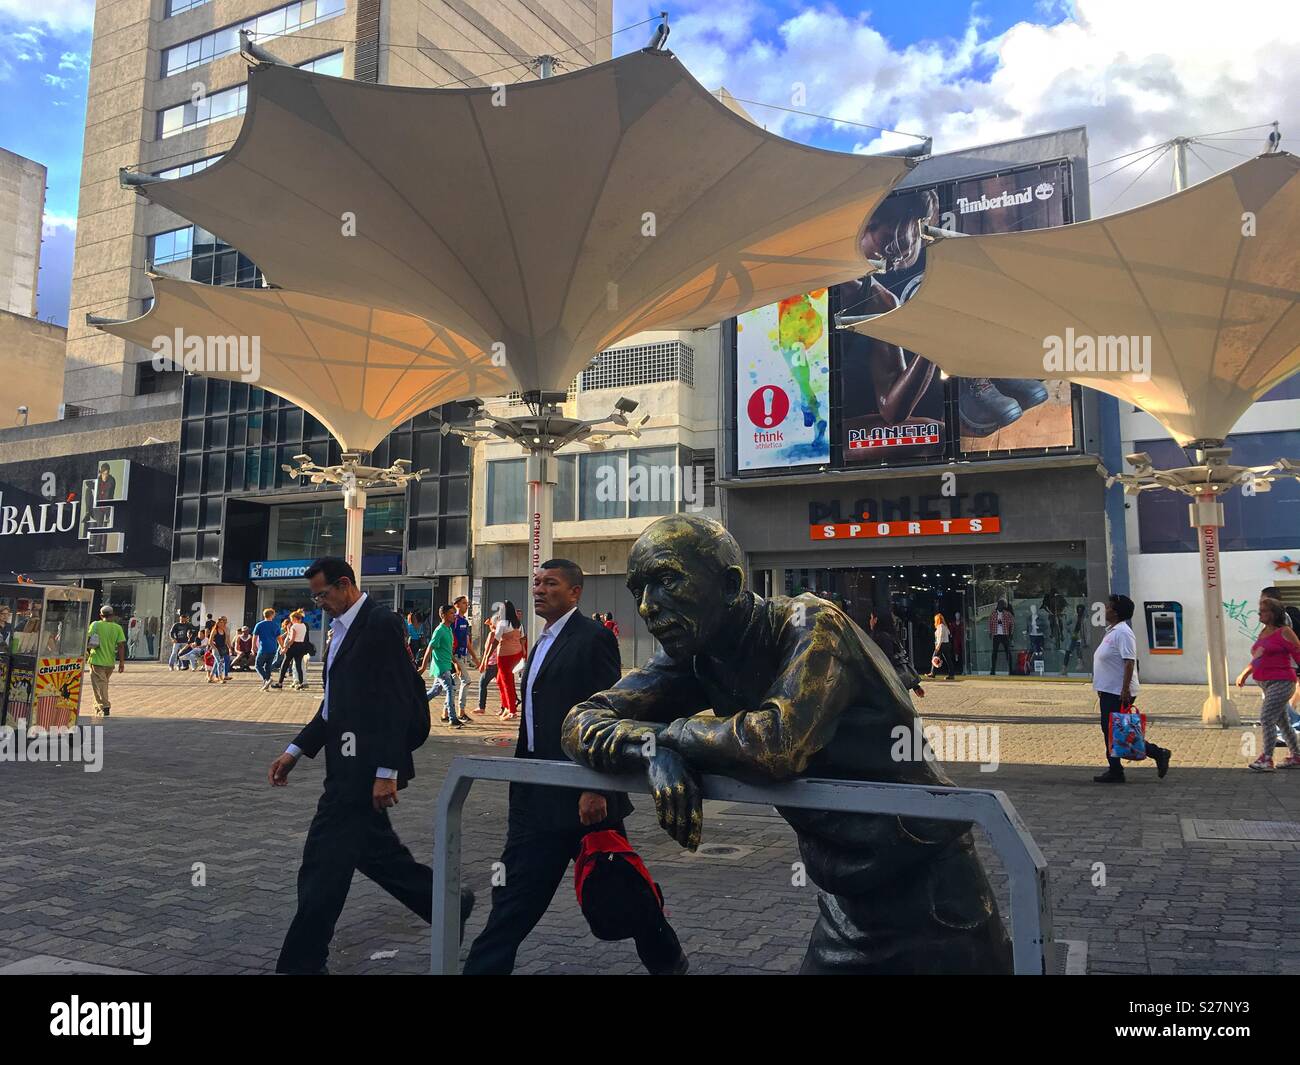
[(1135, 72)]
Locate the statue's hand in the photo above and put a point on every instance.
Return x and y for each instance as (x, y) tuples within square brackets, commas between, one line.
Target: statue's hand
[(612, 748), (671, 736), (679, 801)]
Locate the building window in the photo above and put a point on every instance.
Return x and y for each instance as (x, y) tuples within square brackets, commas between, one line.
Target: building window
[(186, 169), (212, 260), (602, 485), (331, 64), (652, 487), (505, 492), (175, 7), (171, 246), (213, 108), (566, 489), (225, 41), (151, 381)]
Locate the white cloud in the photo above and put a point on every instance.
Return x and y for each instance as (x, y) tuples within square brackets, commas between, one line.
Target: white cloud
[(62, 15), (56, 81), (74, 61), (1135, 73), (51, 222)]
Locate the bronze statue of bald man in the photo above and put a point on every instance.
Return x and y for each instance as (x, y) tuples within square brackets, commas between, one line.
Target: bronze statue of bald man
[(773, 690)]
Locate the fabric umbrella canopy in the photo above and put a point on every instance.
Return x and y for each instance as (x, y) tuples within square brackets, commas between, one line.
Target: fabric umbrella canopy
[(360, 370), (1185, 307), (544, 221)]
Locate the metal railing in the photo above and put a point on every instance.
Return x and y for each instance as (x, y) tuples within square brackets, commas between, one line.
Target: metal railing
[(1031, 918)]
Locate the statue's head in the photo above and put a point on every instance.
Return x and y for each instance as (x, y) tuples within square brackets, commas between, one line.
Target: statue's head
[(687, 575)]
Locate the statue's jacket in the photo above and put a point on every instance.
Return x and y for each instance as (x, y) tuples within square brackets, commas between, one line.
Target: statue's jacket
[(806, 693)]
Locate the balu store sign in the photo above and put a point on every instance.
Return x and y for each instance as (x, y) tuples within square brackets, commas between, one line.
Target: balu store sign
[(91, 515)]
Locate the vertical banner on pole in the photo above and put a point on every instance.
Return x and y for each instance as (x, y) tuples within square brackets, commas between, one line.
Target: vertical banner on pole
[(540, 469), (1207, 517)]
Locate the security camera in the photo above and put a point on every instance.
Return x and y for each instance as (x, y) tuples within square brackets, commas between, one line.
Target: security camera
[(627, 406)]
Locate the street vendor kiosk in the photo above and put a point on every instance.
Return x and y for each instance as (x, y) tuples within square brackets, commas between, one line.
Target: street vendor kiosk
[(42, 653)]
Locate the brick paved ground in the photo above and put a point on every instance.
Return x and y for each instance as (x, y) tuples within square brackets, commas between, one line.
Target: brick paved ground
[(98, 867)]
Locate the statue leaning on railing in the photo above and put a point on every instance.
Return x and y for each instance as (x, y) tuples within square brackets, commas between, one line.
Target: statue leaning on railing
[(773, 690)]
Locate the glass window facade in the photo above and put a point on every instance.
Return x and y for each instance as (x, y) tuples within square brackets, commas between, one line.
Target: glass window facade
[(1263, 522), (602, 484), (175, 7), (225, 41), (234, 439), (171, 246), (227, 103), (186, 169), (1048, 635)]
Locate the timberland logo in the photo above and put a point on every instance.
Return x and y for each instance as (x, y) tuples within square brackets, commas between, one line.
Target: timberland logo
[(121, 1019), (210, 354), (1044, 191), (1073, 354)]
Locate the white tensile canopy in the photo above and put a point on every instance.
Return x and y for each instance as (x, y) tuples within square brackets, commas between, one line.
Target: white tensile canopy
[(542, 222), (1209, 278), (360, 370)]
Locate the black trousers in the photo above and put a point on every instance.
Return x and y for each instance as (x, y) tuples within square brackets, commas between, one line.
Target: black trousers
[(293, 657), (1005, 643), (535, 862), (348, 836), (1110, 705), (488, 676)]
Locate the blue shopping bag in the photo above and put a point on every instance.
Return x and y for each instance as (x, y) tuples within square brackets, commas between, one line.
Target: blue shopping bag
[(1128, 733)]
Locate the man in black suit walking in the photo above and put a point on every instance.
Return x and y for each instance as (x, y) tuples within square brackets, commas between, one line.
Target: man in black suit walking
[(372, 716), (574, 658)]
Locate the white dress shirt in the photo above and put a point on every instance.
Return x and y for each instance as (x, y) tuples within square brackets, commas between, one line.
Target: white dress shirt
[(544, 643), (338, 633)]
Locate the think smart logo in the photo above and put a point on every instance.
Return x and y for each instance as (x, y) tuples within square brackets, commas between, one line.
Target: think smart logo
[(237, 354)]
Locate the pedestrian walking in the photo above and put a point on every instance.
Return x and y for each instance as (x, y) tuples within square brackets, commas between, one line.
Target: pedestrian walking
[(1273, 658), (612, 625), (219, 646), (267, 635), (370, 720), (885, 635), (439, 661), (942, 648), (464, 648), (105, 646), (507, 641), (488, 669), (1002, 623), (1292, 614), (1114, 679), (574, 658), (180, 636), (1078, 638), (295, 647)]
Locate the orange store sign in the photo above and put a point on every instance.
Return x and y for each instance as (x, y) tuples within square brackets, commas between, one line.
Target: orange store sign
[(867, 530)]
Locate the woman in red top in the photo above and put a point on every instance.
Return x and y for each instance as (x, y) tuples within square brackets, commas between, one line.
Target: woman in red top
[(1273, 660)]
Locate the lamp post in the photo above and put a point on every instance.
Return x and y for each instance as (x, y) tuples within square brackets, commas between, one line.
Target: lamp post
[(1204, 483), (541, 433), (355, 479)]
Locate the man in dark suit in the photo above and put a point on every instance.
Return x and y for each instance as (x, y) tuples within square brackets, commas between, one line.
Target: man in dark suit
[(372, 716), (574, 658)]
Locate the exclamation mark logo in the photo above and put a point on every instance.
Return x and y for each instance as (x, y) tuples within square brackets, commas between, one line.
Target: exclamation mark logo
[(768, 394)]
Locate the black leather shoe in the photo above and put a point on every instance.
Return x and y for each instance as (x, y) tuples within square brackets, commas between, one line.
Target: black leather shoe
[(1162, 763), (983, 408), (1109, 777), (1024, 391)]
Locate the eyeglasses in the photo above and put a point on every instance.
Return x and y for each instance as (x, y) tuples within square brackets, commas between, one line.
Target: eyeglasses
[(319, 597)]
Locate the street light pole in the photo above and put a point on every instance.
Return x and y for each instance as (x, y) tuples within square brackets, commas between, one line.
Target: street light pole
[(541, 433), (355, 479), (1205, 483)]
